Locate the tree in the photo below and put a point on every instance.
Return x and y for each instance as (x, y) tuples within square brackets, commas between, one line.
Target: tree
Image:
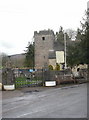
[(73, 55), (60, 36), (78, 53), (29, 61), (4, 59), (85, 39), (71, 34), (78, 35)]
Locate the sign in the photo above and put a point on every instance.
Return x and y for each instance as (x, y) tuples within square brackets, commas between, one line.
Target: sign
[(50, 83), (30, 70), (9, 87), (59, 56)]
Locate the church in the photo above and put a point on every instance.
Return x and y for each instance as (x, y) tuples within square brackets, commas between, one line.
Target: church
[(48, 51)]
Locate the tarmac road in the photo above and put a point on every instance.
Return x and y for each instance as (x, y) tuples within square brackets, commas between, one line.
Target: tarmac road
[(66, 102)]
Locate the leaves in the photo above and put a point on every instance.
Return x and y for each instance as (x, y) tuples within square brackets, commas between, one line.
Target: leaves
[(78, 53), (29, 61)]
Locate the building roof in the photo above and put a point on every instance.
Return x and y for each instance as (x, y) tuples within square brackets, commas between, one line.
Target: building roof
[(58, 46), (52, 54)]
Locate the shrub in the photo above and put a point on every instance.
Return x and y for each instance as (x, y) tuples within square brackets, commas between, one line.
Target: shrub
[(57, 66), (50, 67)]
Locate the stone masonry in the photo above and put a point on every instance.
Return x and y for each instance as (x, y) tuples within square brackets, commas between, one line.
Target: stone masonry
[(44, 42)]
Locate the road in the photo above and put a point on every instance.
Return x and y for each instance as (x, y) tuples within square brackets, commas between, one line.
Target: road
[(66, 102)]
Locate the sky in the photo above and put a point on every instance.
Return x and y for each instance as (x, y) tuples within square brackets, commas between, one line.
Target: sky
[(20, 18)]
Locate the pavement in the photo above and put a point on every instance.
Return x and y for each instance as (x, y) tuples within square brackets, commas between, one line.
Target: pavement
[(20, 91), (46, 102)]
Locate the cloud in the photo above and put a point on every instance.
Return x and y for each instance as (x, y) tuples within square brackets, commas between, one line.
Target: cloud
[(20, 18), (11, 47), (6, 45)]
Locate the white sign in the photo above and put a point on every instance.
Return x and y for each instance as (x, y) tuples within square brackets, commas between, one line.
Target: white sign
[(50, 83), (59, 56), (9, 87)]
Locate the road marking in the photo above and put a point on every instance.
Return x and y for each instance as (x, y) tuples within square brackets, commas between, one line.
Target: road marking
[(14, 108), (40, 96), (46, 108)]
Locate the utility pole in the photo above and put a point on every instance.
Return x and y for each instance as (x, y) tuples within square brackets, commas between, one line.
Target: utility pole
[(65, 50), (88, 11)]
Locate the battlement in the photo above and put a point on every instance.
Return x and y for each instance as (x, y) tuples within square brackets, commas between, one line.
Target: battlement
[(44, 32)]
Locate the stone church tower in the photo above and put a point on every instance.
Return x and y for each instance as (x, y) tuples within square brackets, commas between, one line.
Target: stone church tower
[(44, 42)]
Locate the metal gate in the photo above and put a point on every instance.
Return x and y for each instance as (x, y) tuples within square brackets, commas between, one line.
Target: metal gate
[(28, 79)]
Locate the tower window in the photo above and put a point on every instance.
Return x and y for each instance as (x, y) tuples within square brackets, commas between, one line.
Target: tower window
[(43, 38)]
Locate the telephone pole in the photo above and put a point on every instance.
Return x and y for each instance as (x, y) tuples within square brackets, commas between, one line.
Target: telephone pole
[(65, 50)]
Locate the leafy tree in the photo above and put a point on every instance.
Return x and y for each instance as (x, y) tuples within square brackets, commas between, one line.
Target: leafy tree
[(71, 34), (78, 53), (85, 39), (4, 59), (73, 55), (60, 36), (29, 61), (78, 35)]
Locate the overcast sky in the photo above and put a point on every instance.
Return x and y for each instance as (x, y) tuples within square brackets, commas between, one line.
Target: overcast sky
[(20, 18)]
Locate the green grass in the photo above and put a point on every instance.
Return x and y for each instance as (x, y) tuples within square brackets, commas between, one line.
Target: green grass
[(20, 78), (21, 81)]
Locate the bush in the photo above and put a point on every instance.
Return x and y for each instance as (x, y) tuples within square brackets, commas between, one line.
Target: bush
[(50, 67), (57, 66)]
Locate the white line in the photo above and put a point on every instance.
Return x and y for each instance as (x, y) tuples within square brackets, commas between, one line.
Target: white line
[(14, 107), (26, 114), (31, 112)]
